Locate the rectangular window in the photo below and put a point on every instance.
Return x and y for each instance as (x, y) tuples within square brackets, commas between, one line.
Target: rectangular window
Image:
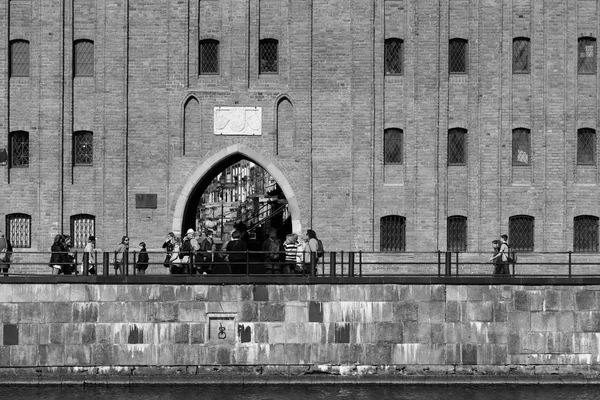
[(393, 233), (392, 146), (586, 147), (82, 227), (393, 56), (268, 53), (521, 147), (457, 57), (18, 230), (585, 234), (520, 233), (19, 149), (586, 56), (457, 233), (83, 148), (19, 58), (83, 59), (457, 146), (521, 56), (209, 57)]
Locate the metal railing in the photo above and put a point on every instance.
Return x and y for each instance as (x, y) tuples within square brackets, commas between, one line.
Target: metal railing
[(332, 264)]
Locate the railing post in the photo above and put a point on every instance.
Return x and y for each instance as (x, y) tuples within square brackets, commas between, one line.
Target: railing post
[(570, 254), (342, 263), (85, 262), (350, 263), (134, 263), (448, 264), (439, 263), (332, 256), (105, 262)]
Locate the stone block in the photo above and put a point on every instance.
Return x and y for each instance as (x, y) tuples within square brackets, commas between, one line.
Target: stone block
[(197, 333), (78, 355), (166, 293), (165, 353), (387, 332), (6, 294), (185, 355), (320, 293), (452, 332), (587, 321), (491, 354), (88, 334), (182, 333), (432, 312), (351, 353), (192, 311), (519, 322), (424, 332), (139, 354), (244, 333), (85, 312), (536, 300), (456, 293), (514, 344), (453, 311), (557, 344), (499, 312), (315, 311), (406, 311), (276, 293), (469, 354), (420, 293), (585, 300), (230, 293), (83, 293), (108, 293), (162, 312), (103, 354), (453, 354), (566, 321), (342, 332), (533, 343), (551, 300), (5, 355), (271, 312), (246, 293), (10, 335), (349, 293), (72, 334), (303, 293), (480, 311), (230, 307), (200, 292), (410, 332), (497, 333), (261, 333), (277, 333), (362, 333), (261, 293), (567, 300), (28, 334), (52, 355), (31, 313), (24, 356), (9, 313), (296, 312), (248, 312), (377, 354), (521, 300), (437, 333), (290, 293), (478, 293), (57, 335), (58, 312)]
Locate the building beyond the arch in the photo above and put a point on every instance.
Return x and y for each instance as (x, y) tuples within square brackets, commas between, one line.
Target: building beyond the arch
[(398, 125)]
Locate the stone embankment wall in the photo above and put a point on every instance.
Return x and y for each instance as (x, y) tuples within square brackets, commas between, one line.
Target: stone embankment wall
[(387, 329)]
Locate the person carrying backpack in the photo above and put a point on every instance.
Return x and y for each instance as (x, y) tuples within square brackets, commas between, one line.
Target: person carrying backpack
[(315, 246), (502, 258)]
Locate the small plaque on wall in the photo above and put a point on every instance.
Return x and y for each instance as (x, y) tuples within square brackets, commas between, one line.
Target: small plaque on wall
[(238, 120), (145, 200)]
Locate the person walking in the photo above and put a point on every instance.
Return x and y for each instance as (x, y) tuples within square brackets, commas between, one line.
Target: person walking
[(502, 257), (168, 245), (121, 255), (89, 251), (175, 260), (5, 253), (290, 246), (236, 253), (271, 249), (205, 256), (496, 257), (142, 261)]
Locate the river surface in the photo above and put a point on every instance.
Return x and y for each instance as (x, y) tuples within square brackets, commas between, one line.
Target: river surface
[(302, 392)]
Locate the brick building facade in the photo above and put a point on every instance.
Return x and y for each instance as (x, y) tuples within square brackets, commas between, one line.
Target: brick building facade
[(411, 125)]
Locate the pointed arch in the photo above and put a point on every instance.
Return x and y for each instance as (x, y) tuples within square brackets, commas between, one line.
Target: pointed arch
[(190, 124), (203, 174), (284, 126)]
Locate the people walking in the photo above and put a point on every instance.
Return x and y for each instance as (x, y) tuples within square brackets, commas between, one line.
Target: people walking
[(89, 251), (502, 257), (236, 253), (121, 255), (142, 261), (185, 252)]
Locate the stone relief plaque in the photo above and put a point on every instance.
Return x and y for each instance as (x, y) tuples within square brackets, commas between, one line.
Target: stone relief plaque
[(238, 120)]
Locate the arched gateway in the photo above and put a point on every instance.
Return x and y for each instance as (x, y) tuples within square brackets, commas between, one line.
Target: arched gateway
[(185, 208)]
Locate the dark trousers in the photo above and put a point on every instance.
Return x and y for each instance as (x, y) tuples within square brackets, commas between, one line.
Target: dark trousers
[(502, 268)]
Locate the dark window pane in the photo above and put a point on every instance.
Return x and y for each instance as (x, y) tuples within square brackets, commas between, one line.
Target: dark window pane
[(392, 146), (457, 146), (586, 147), (19, 58), (520, 147), (457, 233), (18, 230), (586, 55), (268, 56), (520, 233), (392, 233), (457, 57), (19, 149), (393, 56), (209, 57), (585, 234), (84, 58), (521, 56), (83, 148), (82, 227)]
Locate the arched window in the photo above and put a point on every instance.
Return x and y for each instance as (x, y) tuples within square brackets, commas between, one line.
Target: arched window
[(457, 233), (585, 234), (586, 55), (393, 146), (457, 56), (457, 144), (83, 148), (521, 55), (82, 227), (18, 230), (19, 58), (208, 57), (520, 232), (268, 56), (586, 146), (83, 58), (521, 147), (19, 149), (392, 233), (394, 56)]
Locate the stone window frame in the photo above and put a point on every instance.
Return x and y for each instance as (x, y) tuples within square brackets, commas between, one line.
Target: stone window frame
[(521, 55), (19, 58), (586, 146), (457, 146), (521, 147), (393, 137), (458, 56), (392, 230), (586, 65), (268, 50), (83, 51), (18, 230), (585, 234), (19, 147), (456, 237), (83, 148), (521, 233), (211, 48), (394, 56)]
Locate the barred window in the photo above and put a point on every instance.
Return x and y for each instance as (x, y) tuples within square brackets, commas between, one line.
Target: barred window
[(83, 148), (586, 55), (19, 149), (394, 54), (520, 232), (83, 58), (585, 234), (268, 54), (393, 233), (457, 233), (521, 55), (457, 143), (392, 146), (457, 56), (18, 230), (521, 147), (19, 58), (82, 227), (209, 57), (586, 146)]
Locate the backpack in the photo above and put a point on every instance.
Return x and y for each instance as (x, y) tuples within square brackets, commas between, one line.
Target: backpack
[(320, 249), (509, 259)]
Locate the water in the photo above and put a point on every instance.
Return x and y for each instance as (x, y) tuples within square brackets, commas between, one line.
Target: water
[(165, 392)]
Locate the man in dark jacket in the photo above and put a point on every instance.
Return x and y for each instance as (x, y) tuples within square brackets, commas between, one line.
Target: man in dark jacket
[(236, 253), (271, 249)]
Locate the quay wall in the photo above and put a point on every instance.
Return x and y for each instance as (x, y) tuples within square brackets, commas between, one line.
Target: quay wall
[(298, 329)]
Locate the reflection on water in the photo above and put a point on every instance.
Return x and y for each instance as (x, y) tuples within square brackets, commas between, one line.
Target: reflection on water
[(165, 392)]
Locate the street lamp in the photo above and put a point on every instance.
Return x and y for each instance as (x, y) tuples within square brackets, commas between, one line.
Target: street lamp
[(222, 185)]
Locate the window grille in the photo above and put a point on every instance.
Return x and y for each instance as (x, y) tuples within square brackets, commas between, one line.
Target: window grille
[(268, 54), (520, 233), (83, 60), (394, 52), (19, 149), (521, 147), (392, 146), (19, 58), (209, 57), (83, 148), (18, 230), (82, 227), (521, 56), (456, 146), (393, 233), (586, 146), (586, 55), (457, 57), (457, 233), (585, 234)]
